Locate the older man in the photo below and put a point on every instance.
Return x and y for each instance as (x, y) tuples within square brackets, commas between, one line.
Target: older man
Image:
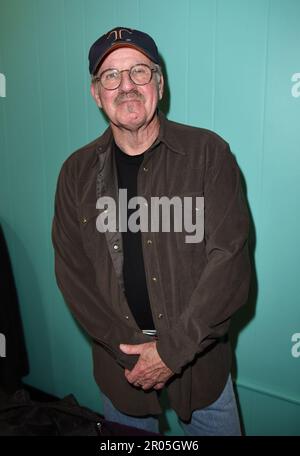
[(156, 307)]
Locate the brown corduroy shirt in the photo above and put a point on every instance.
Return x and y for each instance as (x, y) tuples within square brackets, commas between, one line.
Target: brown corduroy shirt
[(194, 288)]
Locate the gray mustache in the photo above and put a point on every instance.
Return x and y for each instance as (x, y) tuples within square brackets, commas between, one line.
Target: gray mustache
[(131, 94)]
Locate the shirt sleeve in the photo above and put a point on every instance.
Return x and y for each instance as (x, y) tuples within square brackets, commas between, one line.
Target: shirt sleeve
[(75, 275), (224, 283)]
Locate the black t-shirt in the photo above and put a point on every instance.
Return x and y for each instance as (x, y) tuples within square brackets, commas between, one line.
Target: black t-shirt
[(133, 269)]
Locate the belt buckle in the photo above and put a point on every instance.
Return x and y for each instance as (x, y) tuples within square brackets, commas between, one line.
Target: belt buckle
[(150, 333)]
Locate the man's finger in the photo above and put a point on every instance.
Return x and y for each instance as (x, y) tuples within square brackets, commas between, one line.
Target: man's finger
[(131, 349), (133, 375), (159, 386)]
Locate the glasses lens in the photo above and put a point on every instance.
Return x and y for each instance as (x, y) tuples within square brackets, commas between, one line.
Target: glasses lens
[(140, 74), (110, 79)]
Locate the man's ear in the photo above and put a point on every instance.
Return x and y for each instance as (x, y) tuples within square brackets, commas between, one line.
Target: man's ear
[(161, 87), (95, 95)]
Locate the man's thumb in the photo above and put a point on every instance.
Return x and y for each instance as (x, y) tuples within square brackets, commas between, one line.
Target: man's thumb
[(130, 349)]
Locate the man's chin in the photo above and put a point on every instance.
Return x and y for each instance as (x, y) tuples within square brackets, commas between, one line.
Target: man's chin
[(132, 118)]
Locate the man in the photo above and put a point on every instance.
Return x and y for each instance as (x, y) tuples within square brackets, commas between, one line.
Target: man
[(156, 306)]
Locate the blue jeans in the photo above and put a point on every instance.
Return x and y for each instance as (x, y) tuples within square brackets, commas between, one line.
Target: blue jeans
[(219, 418)]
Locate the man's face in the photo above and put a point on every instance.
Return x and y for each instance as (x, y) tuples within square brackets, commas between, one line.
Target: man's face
[(130, 106)]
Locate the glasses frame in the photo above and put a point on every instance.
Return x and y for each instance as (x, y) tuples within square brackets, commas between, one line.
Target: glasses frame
[(98, 78)]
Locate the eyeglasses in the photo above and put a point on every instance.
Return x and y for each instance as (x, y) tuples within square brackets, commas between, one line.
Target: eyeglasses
[(140, 74)]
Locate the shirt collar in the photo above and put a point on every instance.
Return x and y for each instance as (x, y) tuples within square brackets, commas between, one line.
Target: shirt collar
[(166, 135)]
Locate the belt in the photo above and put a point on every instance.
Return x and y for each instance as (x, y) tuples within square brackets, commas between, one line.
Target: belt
[(150, 332)]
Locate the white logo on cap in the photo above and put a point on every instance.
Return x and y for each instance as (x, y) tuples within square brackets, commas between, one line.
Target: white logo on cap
[(118, 33)]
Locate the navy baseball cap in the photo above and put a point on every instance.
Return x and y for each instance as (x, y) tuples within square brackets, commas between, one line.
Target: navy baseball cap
[(121, 37)]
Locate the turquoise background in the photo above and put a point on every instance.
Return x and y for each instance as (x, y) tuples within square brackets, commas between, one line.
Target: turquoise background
[(229, 67)]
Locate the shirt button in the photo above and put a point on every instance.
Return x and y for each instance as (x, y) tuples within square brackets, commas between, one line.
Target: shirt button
[(84, 220), (160, 315), (149, 242), (154, 279), (145, 169), (126, 316), (116, 247)]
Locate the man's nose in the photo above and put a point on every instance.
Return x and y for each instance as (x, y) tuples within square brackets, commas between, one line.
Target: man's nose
[(126, 83)]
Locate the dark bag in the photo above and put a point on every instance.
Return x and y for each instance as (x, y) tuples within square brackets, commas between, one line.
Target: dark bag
[(19, 415)]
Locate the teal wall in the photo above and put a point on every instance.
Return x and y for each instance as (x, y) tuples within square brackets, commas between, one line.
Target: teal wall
[(232, 66)]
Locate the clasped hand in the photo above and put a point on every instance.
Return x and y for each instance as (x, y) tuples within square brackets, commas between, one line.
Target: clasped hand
[(149, 371)]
